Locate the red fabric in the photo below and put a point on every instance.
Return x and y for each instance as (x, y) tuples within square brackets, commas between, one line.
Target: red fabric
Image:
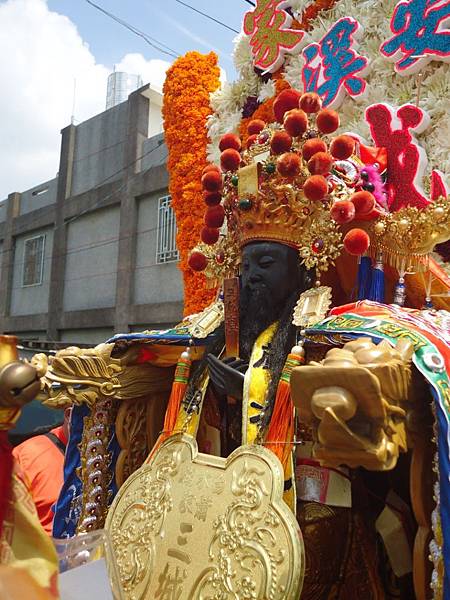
[(6, 465), (42, 463)]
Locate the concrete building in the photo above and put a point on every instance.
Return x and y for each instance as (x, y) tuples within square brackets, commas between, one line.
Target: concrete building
[(92, 252)]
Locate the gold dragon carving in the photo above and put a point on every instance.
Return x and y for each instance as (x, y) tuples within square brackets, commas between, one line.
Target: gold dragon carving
[(356, 403), (198, 527), (120, 395)]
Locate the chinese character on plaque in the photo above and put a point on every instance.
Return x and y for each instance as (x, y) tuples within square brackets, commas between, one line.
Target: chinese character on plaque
[(420, 33), (394, 128), (268, 26), (333, 68)]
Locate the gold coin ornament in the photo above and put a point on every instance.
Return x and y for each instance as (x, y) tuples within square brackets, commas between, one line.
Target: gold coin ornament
[(189, 526)]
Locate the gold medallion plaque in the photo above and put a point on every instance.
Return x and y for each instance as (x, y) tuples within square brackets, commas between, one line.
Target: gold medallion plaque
[(189, 526)]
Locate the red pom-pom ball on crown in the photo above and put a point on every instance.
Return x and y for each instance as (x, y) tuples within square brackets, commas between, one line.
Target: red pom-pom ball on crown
[(320, 163), (356, 242), (230, 159), (295, 122), (212, 181), (315, 187), (197, 261), (342, 147), (215, 216), (255, 126), (313, 146), (310, 102), (280, 142), (343, 211), (230, 140), (212, 198), (211, 167), (364, 203), (286, 100), (288, 164), (209, 235), (327, 120)]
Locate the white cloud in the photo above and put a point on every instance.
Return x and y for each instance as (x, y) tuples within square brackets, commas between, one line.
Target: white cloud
[(153, 71), (42, 54)]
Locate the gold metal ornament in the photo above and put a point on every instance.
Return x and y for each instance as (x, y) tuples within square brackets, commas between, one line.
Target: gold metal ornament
[(312, 306), (189, 526), (202, 324), (408, 236)]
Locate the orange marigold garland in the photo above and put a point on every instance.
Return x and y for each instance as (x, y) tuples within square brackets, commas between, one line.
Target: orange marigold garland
[(189, 82)]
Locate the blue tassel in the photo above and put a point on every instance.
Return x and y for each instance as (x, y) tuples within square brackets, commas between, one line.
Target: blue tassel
[(364, 277), (376, 293)]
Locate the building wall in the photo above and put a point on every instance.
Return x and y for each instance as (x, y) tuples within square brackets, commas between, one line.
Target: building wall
[(99, 149), (2, 211), (91, 260), (31, 299), (154, 152), (39, 196), (94, 335), (100, 272), (153, 282)]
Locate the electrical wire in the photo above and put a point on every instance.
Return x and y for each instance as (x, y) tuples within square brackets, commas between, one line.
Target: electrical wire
[(206, 15), (151, 41), (250, 2)]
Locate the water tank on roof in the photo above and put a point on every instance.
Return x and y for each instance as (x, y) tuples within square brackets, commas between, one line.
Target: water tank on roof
[(120, 86)]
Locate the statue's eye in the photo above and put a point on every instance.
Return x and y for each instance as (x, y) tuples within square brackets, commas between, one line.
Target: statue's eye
[(79, 386), (56, 385), (266, 261)]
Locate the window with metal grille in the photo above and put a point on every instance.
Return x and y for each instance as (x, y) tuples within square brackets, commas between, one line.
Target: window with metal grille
[(33, 260), (166, 250)]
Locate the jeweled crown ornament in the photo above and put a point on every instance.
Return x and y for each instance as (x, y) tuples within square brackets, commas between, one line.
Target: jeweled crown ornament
[(287, 182)]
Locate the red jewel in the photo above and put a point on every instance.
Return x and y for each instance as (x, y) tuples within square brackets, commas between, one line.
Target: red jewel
[(317, 246), (305, 210), (263, 138), (220, 258)]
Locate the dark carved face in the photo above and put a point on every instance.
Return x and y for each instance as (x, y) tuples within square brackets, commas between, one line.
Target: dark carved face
[(271, 281), (272, 269)]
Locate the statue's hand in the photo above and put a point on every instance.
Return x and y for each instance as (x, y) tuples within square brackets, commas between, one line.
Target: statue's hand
[(227, 375)]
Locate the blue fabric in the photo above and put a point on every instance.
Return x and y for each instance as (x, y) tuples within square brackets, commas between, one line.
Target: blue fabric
[(68, 505), (376, 292), (161, 337), (364, 277)]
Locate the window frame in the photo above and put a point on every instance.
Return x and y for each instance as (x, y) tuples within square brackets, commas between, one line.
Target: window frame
[(41, 266), (172, 254)]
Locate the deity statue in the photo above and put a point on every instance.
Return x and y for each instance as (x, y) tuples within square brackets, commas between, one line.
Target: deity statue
[(290, 439), (340, 398)]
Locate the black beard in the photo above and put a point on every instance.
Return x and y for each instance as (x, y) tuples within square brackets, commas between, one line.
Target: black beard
[(256, 312)]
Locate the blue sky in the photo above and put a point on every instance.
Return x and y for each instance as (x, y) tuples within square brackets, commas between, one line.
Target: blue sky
[(166, 20)]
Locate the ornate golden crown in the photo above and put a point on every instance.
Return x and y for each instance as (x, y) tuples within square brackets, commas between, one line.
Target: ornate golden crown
[(289, 182)]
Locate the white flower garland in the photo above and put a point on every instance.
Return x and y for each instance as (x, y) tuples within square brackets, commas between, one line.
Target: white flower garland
[(383, 83)]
